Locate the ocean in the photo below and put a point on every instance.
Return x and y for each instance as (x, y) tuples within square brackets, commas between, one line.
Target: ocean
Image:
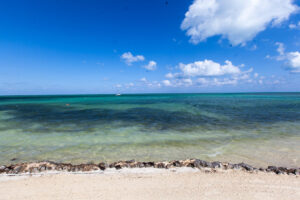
[(257, 128)]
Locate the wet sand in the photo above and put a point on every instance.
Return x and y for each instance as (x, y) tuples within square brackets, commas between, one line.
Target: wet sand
[(152, 184)]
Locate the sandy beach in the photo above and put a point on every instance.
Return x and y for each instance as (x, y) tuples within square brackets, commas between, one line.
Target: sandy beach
[(151, 184)]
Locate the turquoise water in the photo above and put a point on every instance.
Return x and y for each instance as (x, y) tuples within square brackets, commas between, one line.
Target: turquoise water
[(260, 129)]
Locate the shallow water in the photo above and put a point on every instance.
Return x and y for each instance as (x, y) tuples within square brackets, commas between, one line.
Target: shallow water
[(260, 129)]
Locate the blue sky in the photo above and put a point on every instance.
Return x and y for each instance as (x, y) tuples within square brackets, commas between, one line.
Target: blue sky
[(133, 46)]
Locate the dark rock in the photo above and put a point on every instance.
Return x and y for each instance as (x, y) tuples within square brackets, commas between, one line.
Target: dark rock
[(102, 165), (176, 163), (129, 161), (13, 159), (140, 164), (112, 165), (190, 163), (124, 165), (261, 169), (246, 166), (282, 169), (216, 164), (88, 167), (197, 163), (228, 166), (159, 165), (118, 166), (273, 169), (236, 166), (148, 164), (201, 163), (291, 171)]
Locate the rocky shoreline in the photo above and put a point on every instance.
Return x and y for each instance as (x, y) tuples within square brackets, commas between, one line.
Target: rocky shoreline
[(48, 166)]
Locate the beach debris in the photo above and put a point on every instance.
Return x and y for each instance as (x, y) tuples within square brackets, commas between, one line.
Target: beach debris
[(205, 166)]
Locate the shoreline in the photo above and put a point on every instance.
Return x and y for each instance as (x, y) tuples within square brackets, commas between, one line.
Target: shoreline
[(151, 183), (208, 167), (180, 179)]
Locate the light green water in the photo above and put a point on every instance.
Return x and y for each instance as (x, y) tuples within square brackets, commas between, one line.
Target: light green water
[(260, 129)]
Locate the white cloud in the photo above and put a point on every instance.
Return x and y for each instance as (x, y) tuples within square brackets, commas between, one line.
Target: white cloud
[(129, 84), (224, 81), (129, 58), (154, 84), (208, 73), (143, 79), (187, 81), (280, 48), (292, 59), (294, 26), (166, 82), (151, 66), (169, 75), (202, 81), (293, 62), (237, 20), (208, 68), (256, 75)]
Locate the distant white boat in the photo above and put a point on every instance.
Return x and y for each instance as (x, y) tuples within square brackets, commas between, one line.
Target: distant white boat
[(118, 94)]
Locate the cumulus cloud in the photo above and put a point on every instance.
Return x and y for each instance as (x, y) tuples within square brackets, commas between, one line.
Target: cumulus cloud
[(151, 66), (166, 83), (292, 59), (129, 58), (238, 21), (208, 68), (208, 73)]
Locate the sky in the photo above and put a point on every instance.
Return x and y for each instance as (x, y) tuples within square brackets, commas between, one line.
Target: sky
[(157, 46)]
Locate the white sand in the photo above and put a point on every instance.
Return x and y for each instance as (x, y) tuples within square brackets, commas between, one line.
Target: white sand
[(157, 184)]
